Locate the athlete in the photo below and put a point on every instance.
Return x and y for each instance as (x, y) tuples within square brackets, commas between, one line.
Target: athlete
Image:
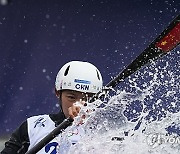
[(75, 82)]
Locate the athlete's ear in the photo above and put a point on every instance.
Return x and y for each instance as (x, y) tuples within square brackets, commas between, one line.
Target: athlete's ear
[(58, 93)]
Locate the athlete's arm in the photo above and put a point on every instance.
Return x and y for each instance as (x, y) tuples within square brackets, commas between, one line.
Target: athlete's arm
[(18, 142)]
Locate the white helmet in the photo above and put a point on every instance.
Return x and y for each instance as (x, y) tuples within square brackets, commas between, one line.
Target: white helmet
[(79, 76)]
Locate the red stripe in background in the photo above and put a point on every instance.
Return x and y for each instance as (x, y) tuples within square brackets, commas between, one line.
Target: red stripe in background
[(170, 40)]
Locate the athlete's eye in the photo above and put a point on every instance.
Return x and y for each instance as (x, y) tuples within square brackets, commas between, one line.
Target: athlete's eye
[(71, 97)]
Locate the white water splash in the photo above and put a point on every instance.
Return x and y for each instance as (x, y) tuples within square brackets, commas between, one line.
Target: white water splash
[(143, 118), (110, 136)]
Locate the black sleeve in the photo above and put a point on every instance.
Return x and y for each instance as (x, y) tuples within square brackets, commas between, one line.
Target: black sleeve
[(18, 142)]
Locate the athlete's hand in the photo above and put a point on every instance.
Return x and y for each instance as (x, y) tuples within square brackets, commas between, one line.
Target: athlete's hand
[(74, 111)]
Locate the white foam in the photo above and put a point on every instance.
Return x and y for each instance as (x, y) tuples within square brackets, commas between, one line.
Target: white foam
[(155, 91)]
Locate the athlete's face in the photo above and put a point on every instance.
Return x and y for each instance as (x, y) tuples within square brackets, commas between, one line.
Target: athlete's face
[(68, 98)]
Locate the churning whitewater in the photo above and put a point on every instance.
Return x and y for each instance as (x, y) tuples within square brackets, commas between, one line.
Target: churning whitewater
[(141, 117)]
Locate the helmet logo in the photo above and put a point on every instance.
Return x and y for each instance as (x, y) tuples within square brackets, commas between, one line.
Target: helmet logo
[(64, 83), (69, 84), (82, 81), (82, 84)]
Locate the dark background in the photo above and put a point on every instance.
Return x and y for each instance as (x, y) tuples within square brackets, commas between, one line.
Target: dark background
[(37, 37)]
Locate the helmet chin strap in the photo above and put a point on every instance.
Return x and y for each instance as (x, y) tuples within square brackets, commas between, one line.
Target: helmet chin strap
[(58, 95), (59, 99), (60, 105)]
